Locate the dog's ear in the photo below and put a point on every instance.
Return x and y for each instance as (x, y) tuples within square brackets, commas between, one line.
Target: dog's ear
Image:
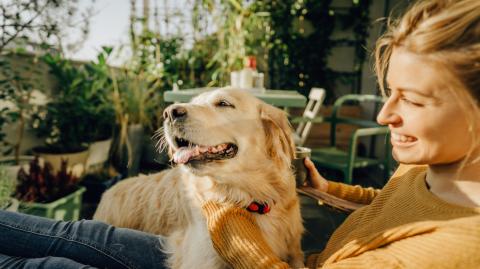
[(278, 131)]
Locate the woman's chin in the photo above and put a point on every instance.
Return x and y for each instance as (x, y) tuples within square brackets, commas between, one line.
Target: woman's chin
[(407, 158)]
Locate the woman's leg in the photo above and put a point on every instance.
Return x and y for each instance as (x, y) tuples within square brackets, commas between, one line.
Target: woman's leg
[(86, 242), (7, 262)]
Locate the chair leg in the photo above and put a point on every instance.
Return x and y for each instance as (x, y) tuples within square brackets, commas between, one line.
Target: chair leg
[(348, 175)]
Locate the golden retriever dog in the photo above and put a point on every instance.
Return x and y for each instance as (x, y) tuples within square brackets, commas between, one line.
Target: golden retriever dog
[(228, 146)]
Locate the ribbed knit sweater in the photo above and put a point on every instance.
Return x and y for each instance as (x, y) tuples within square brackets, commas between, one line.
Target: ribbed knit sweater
[(404, 226)]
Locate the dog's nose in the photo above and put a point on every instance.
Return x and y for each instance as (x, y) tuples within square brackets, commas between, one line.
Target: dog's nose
[(175, 112)]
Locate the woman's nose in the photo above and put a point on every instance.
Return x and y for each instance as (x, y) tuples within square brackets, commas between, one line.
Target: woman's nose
[(388, 114)]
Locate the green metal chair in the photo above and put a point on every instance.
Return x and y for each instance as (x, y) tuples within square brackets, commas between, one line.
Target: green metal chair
[(346, 161)]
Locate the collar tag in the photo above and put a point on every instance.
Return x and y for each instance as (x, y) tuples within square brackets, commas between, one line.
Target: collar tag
[(256, 207)]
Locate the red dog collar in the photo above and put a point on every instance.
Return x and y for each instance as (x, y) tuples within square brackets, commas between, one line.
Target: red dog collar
[(259, 208)]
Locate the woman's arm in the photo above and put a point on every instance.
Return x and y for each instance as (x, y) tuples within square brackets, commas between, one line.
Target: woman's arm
[(237, 238), (356, 194), (429, 244)]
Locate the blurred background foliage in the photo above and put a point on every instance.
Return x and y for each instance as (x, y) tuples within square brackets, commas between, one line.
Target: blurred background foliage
[(292, 40), (169, 48)]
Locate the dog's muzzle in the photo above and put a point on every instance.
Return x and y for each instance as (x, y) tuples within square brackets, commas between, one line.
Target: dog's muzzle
[(186, 151)]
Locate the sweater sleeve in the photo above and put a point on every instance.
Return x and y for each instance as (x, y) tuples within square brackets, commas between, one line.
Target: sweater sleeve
[(237, 238), (356, 194), (448, 245)]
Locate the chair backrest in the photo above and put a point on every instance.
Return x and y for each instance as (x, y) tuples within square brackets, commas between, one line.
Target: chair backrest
[(336, 119), (315, 101)]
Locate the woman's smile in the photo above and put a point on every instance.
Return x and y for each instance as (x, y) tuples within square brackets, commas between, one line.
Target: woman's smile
[(401, 140)]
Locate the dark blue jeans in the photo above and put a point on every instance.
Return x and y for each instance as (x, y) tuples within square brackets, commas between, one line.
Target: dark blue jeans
[(35, 242)]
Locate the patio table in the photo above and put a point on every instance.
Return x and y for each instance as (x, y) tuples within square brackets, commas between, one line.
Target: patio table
[(279, 98)]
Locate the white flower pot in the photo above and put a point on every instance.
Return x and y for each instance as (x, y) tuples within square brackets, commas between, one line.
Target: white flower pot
[(12, 168), (98, 154), (76, 161)]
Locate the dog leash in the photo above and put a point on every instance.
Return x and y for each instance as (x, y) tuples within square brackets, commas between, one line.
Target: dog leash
[(323, 198), (329, 200)]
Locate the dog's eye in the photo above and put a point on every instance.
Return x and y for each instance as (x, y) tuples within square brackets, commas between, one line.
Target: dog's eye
[(224, 103)]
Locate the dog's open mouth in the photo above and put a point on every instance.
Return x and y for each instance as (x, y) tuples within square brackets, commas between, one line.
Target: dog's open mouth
[(189, 152)]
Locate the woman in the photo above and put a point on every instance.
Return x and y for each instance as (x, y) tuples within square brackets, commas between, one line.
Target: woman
[(429, 217)]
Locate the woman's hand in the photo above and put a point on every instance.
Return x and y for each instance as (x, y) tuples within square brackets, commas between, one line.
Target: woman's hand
[(316, 180)]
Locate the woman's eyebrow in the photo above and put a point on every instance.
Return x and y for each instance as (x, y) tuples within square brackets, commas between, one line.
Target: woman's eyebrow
[(410, 90)]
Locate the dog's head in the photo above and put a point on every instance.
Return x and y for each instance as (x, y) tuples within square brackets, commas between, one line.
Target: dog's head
[(228, 132)]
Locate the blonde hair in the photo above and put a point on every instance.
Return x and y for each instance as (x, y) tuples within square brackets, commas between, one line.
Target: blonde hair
[(446, 32)]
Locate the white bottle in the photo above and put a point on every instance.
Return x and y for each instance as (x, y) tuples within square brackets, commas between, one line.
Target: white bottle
[(235, 79), (247, 73)]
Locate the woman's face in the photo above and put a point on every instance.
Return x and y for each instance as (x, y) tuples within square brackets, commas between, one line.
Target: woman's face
[(427, 121)]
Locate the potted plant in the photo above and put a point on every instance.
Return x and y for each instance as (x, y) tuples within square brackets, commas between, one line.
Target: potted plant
[(49, 193), (80, 113), (20, 100), (98, 86), (156, 65), (135, 105)]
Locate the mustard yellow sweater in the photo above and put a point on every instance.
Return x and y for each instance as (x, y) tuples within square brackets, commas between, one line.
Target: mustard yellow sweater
[(404, 226)]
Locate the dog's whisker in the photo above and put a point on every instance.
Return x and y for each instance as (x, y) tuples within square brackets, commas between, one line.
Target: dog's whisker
[(161, 141), (161, 144), (158, 133)]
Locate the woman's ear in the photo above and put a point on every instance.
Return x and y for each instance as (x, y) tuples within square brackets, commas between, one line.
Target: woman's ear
[(278, 132)]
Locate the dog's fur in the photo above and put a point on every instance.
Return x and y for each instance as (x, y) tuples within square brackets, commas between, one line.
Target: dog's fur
[(168, 203)]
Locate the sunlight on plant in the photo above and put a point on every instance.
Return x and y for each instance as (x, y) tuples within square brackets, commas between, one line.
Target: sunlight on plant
[(7, 187)]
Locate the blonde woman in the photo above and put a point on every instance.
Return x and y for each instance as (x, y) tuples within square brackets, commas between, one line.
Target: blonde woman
[(428, 64)]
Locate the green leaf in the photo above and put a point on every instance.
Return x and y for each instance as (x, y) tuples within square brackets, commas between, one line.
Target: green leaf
[(107, 50)]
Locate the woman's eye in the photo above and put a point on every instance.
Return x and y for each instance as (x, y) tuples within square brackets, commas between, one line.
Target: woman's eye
[(223, 103), (409, 102)]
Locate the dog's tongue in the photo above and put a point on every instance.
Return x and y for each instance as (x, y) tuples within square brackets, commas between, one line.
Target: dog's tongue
[(184, 154)]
